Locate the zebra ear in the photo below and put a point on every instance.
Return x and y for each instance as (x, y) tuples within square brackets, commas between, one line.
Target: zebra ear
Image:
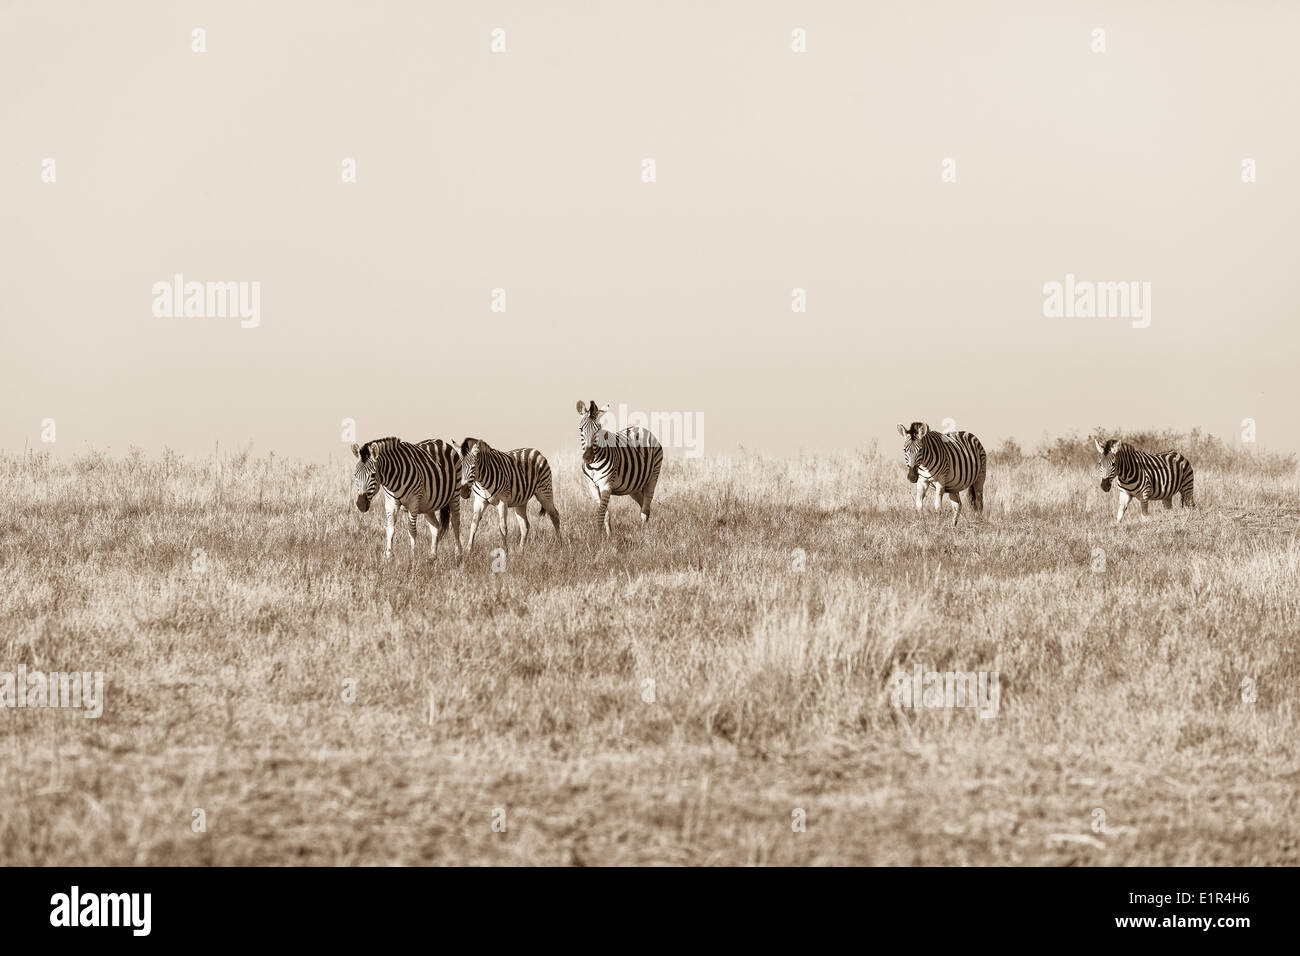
[(582, 407), (603, 409), (922, 429), (902, 430), (355, 450), (1101, 449)]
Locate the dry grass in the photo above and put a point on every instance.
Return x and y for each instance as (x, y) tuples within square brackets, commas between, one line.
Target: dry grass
[(523, 690)]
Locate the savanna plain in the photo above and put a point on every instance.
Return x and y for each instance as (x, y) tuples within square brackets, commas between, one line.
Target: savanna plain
[(715, 689)]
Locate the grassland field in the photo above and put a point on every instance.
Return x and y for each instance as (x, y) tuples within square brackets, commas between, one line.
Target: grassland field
[(685, 694)]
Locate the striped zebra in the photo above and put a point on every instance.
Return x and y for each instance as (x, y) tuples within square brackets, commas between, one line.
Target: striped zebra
[(419, 479), (1142, 476), (506, 479), (626, 463), (951, 461)]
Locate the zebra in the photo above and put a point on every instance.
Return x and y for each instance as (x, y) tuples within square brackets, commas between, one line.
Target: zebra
[(952, 461), (420, 479), (626, 463), (506, 479), (1144, 477)]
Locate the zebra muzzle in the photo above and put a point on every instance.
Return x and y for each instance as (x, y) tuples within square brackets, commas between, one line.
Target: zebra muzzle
[(1105, 485), (911, 476), (363, 503)]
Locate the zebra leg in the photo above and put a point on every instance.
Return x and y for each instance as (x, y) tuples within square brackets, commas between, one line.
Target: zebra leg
[(602, 511), (479, 504), (647, 496), (938, 497), (549, 509), (390, 521), (956, 506), (501, 513), (1185, 497), (433, 520), (521, 512), (1168, 503), (1145, 513), (410, 530), (922, 486), (437, 522), (454, 516), (977, 495), (1124, 498), (642, 500)]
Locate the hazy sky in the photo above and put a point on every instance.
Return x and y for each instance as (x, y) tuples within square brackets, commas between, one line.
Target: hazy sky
[(523, 171)]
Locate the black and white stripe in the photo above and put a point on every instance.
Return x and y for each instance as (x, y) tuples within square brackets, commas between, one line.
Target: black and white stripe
[(506, 479), (1144, 476), (951, 461), (623, 463), (420, 479)]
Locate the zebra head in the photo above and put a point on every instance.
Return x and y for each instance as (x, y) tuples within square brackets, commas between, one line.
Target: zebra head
[(1106, 467), (366, 479), (469, 450), (912, 437), (589, 426)]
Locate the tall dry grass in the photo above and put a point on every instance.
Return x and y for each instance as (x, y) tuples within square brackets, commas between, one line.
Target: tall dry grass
[(673, 696)]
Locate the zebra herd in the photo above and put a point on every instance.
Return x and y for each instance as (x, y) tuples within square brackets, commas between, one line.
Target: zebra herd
[(431, 477), (954, 462)]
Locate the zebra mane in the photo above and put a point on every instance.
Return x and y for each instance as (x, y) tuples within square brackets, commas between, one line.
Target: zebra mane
[(469, 442), (375, 446)]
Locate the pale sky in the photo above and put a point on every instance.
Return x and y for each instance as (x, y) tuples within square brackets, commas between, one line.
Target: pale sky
[(522, 170)]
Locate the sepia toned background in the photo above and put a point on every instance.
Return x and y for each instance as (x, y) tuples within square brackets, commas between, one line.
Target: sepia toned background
[(279, 690), (522, 171)]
